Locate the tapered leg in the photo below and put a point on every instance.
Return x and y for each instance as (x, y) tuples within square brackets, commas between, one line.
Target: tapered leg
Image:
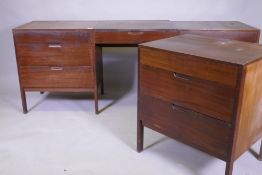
[(102, 88), (23, 97), (96, 102), (229, 168), (102, 78), (99, 64), (260, 153), (140, 136)]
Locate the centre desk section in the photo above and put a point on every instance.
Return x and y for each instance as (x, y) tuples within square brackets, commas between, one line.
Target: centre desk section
[(66, 56)]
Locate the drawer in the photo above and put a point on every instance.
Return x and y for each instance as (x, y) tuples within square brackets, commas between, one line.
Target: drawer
[(131, 37), (204, 133), (57, 77), (211, 70), (51, 48), (202, 96)]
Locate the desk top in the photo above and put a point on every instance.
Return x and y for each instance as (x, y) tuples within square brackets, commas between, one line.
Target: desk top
[(230, 51), (136, 25)]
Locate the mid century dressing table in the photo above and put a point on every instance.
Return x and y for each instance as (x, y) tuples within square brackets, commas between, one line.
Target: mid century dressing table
[(66, 56), (58, 55)]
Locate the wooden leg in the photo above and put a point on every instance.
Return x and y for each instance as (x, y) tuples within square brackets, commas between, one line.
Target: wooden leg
[(23, 97), (140, 136), (99, 64), (102, 88), (260, 153), (102, 78), (96, 102), (229, 168)]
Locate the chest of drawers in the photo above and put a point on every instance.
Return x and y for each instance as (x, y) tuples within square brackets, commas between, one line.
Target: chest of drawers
[(58, 60), (202, 91)]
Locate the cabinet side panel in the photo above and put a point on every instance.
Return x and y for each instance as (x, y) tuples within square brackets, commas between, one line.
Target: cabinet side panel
[(250, 124)]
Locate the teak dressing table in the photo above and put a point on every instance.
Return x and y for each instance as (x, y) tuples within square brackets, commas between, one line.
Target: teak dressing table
[(67, 55)]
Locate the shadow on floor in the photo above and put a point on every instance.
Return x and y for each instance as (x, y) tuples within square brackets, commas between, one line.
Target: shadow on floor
[(179, 153)]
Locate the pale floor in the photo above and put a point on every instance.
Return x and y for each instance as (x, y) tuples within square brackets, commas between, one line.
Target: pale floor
[(61, 135)]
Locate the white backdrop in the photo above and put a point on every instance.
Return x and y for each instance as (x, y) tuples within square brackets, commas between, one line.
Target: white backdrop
[(17, 12), (60, 135)]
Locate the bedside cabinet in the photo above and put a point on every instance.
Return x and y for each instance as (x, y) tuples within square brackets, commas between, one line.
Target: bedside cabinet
[(204, 92), (58, 61)]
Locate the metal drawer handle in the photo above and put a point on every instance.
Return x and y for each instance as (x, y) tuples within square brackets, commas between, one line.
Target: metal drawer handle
[(54, 45), (174, 106), (178, 108), (56, 68), (135, 33), (179, 76)]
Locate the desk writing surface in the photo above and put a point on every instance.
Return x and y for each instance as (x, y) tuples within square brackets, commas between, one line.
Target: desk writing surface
[(211, 25), (137, 25), (133, 32), (100, 25), (53, 25)]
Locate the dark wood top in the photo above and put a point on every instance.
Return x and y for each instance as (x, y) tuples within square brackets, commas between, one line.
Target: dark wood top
[(224, 50), (137, 25), (211, 25)]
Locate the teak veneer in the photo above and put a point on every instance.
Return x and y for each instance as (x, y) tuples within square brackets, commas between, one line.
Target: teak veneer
[(201, 91)]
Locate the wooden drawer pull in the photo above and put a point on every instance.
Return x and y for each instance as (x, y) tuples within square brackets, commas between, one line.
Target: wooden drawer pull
[(54, 45), (56, 68), (179, 76), (135, 33)]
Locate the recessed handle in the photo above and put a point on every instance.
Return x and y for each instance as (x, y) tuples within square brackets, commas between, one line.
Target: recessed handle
[(56, 68), (178, 108), (180, 76), (135, 33), (54, 45)]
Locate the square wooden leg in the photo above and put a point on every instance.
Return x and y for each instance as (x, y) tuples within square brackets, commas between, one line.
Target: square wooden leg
[(140, 136), (102, 76), (99, 64), (260, 153), (102, 81), (23, 98), (102, 88), (96, 102), (229, 168)]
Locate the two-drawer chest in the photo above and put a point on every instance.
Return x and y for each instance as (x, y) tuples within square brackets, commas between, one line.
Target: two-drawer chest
[(58, 61), (202, 91)]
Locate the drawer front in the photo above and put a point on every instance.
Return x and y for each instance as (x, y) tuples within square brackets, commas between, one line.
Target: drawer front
[(203, 96), (57, 77), (49, 48), (246, 36), (207, 134), (131, 37), (194, 66)]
